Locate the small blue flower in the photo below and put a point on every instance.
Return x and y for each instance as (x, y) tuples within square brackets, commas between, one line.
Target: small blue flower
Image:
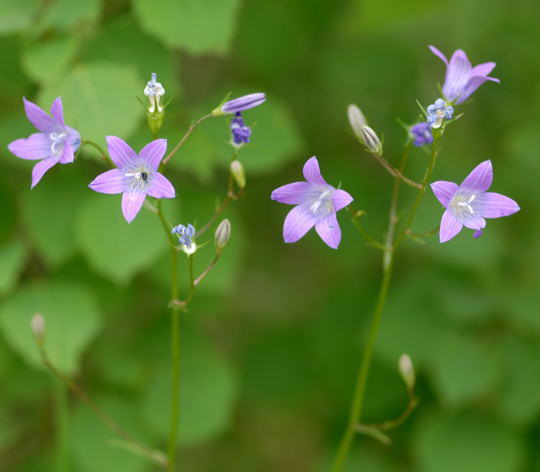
[(421, 133), (184, 233), (240, 132), (438, 112)]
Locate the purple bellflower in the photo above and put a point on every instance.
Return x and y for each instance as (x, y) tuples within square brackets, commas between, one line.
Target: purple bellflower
[(438, 112), (136, 175), (55, 143), (421, 134), (243, 103), (462, 79), (469, 203), (240, 132), (316, 205)]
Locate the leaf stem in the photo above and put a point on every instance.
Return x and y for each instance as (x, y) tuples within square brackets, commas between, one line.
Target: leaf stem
[(185, 137)]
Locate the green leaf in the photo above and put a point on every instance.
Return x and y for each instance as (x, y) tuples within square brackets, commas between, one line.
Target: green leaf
[(99, 99), (16, 15), (199, 26), (12, 258), (116, 249), (71, 321), (49, 209), (67, 14), (467, 443), (44, 61), (208, 390)]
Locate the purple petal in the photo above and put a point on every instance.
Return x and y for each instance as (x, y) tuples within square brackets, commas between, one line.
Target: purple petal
[(312, 173), (67, 154), (243, 103), (329, 231), (472, 221), (295, 193), (444, 191), (153, 152), (161, 187), (457, 75), (480, 178), (120, 152), (36, 146), (472, 84), (450, 226), (341, 199), (297, 223), (41, 167), (494, 205), (110, 182), (439, 54), (131, 204), (39, 118), (483, 69), (57, 111)]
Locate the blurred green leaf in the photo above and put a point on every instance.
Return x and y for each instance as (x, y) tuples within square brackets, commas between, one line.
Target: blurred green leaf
[(67, 14), (12, 258), (100, 99), (199, 26), (116, 249), (16, 14), (207, 394), (44, 61), (71, 321), (467, 443)]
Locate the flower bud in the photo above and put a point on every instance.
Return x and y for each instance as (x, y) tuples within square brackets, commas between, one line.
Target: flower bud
[(357, 120), (237, 171), (371, 140), (223, 234), (38, 328), (406, 369), (156, 111), (240, 104)]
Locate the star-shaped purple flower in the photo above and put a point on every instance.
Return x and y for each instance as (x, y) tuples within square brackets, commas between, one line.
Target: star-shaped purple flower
[(462, 79), (316, 205), (55, 143), (136, 176), (469, 203)]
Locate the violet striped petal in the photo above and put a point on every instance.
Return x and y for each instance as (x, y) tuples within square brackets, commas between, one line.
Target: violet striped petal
[(57, 111), (450, 226), (131, 204), (36, 146), (110, 182), (68, 155), (471, 220), (297, 223), (41, 167), (39, 118), (161, 187), (329, 231), (457, 75), (483, 69), (312, 172), (480, 178), (494, 205), (153, 152), (121, 153), (472, 84), (341, 199), (295, 193), (444, 191), (439, 54)]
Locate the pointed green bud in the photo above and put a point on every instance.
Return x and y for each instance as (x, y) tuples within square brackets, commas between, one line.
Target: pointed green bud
[(406, 369), (237, 171), (223, 234)]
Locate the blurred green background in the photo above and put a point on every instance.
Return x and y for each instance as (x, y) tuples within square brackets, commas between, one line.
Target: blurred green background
[(272, 342)]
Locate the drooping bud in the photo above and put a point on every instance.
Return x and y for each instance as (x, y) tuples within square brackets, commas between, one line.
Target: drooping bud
[(357, 120), (371, 140), (156, 112), (38, 328), (223, 234), (406, 369), (240, 104), (237, 171)]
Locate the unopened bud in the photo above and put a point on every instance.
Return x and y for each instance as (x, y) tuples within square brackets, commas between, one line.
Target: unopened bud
[(237, 171), (223, 234), (38, 328), (371, 140), (357, 120), (156, 111), (406, 369)]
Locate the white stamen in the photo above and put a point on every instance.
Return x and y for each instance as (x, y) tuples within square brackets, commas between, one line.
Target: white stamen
[(323, 197)]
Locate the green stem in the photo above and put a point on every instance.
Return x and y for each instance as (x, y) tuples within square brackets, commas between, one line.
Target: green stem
[(360, 389), (104, 155), (184, 138), (62, 426), (175, 345)]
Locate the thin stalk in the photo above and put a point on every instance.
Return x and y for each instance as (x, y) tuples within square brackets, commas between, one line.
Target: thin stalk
[(62, 426), (397, 173), (184, 138), (175, 345), (360, 389), (104, 155)]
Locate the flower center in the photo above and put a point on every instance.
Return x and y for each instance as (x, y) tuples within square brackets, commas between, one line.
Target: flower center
[(462, 204), (57, 141), (138, 179), (323, 204)]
